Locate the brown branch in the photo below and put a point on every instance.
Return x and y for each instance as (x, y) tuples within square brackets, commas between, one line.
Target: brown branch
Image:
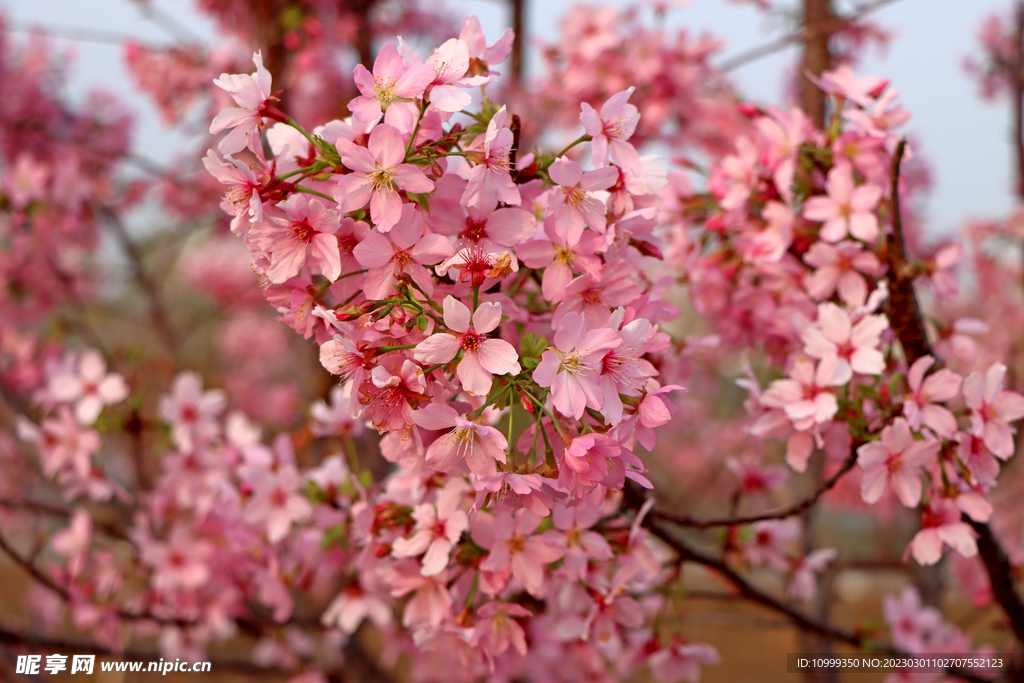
[(749, 591), (791, 511), (904, 312), (1000, 575), (1016, 74), (518, 27), (818, 27)]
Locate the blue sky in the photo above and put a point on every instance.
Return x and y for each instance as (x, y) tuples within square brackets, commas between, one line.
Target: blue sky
[(965, 140)]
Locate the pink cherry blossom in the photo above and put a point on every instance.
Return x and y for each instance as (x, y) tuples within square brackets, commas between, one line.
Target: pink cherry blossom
[(496, 630), (479, 446), (489, 179), (572, 367), (517, 548), (559, 260), (403, 251), (472, 34), (573, 204), (847, 210), (390, 89), (897, 460), (191, 412), (803, 583), (88, 386), (305, 233), (768, 540), (853, 345), (920, 404), (610, 130), (378, 174), (73, 542), (437, 530), (841, 268), (993, 409), (941, 527), (681, 661), (482, 358), (251, 93), (387, 396), (450, 62), (910, 622), (581, 544), (242, 200), (278, 501)]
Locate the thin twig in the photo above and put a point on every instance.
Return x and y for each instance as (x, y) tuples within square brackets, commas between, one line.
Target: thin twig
[(166, 23), (78, 34), (791, 511)]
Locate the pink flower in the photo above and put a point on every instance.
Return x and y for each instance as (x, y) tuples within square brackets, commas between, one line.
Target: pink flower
[(354, 604), (572, 205), (251, 93), (572, 368), (64, 444), (495, 629), (861, 91), (88, 386), (306, 232), (450, 63), (596, 295), (806, 397), (910, 623), (682, 661), (846, 210), (611, 129), (378, 175), (482, 358), (767, 542), (581, 544), (476, 444), (403, 251), (387, 396), (897, 459), (183, 562), (854, 346), (243, 197), (489, 180), (516, 547), (389, 89), (436, 531), (992, 409), (559, 260), (278, 501), (473, 36), (841, 268), (192, 413), (941, 527), (803, 583), (622, 369), (919, 406), (73, 542)]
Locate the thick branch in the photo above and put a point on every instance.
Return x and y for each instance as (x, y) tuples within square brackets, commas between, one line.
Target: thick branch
[(1016, 74), (904, 311), (791, 511), (518, 27)]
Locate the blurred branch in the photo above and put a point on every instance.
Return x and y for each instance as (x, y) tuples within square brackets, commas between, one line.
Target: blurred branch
[(518, 27), (1017, 79), (83, 35), (166, 23), (753, 54), (157, 312), (791, 511)]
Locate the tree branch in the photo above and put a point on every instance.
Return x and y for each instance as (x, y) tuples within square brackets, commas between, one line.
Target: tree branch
[(791, 511)]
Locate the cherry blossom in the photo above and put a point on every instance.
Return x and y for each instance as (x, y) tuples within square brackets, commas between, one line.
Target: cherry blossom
[(847, 210), (898, 460), (88, 386)]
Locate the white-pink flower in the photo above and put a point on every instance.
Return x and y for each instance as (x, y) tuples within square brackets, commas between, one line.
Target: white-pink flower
[(942, 526), (847, 210), (854, 346), (610, 130), (803, 583), (482, 357), (572, 368), (278, 501), (250, 92), (490, 180), (479, 446), (437, 530), (516, 547), (391, 89), (572, 205), (841, 268), (919, 405), (897, 459), (87, 385), (378, 174), (306, 233), (992, 409), (73, 542), (191, 412)]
